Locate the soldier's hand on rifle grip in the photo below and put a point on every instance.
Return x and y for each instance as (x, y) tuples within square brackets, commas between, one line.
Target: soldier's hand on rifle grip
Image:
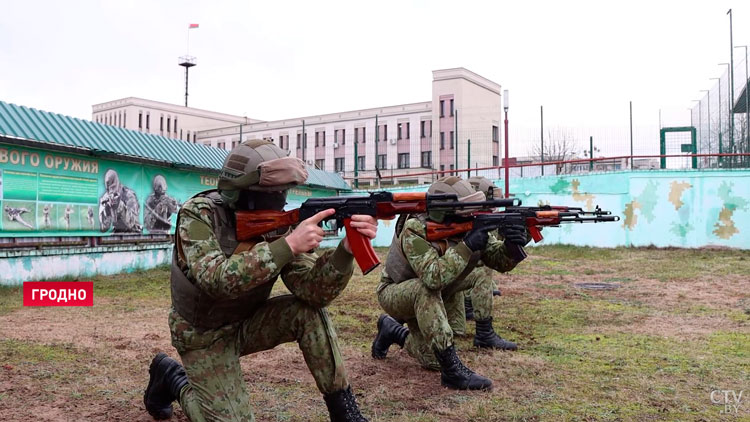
[(308, 235), (477, 238), (516, 233), (366, 225)]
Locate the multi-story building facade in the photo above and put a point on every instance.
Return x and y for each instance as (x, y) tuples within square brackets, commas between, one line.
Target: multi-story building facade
[(170, 120), (402, 140)]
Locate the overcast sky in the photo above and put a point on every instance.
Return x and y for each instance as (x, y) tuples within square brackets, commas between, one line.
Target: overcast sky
[(582, 60)]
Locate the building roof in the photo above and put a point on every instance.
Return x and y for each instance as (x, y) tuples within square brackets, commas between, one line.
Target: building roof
[(173, 108), (43, 129)]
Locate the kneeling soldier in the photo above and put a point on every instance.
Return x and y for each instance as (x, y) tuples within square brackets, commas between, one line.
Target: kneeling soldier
[(476, 304), (221, 308), (420, 276)]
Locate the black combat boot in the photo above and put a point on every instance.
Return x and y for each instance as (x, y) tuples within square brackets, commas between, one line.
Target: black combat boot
[(453, 373), (389, 332), (166, 379), (469, 308), (486, 337), (343, 407)]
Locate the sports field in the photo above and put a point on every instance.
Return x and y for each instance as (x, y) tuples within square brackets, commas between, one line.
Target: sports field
[(674, 328)]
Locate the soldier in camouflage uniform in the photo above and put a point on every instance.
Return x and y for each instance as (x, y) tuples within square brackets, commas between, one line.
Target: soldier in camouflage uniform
[(475, 304), (159, 207), (421, 277), (221, 308), (118, 206)]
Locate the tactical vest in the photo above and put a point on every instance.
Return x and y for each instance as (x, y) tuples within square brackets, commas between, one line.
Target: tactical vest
[(397, 265), (195, 306)]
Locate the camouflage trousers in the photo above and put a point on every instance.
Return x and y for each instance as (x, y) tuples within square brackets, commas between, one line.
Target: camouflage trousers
[(424, 311), (217, 391), (481, 302)]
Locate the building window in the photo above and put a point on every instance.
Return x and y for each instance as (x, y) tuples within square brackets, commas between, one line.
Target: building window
[(356, 135), (427, 159), (451, 106), (221, 145), (161, 125), (195, 137), (175, 125), (408, 129), (361, 162), (421, 129), (148, 122), (124, 118), (451, 169), (398, 131), (169, 124), (338, 164), (403, 160), (180, 133), (317, 137), (321, 164), (140, 120), (364, 138), (495, 134), (382, 162), (442, 168), (234, 144), (494, 161), (188, 136), (451, 139), (323, 137), (442, 140), (442, 108), (299, 140), (343, 136)]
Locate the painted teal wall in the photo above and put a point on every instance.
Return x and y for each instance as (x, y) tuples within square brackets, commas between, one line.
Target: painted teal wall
[(19, 266), (661, 208)]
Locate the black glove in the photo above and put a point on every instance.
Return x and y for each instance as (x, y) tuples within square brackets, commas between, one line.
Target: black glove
[(477, 238), (515, 233)]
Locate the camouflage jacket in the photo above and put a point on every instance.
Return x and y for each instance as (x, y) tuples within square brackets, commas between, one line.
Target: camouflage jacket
[(314, 279), (438, 270)]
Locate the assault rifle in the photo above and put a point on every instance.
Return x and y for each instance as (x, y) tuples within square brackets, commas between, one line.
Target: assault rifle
[(533, 217), (381, 205)]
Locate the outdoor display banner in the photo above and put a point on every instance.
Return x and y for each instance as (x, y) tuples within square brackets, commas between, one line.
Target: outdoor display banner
[(48, 193)]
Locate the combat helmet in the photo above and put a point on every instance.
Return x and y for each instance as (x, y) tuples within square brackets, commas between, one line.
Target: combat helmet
[(485, 185), (457, 186), (261, 166), (159, 184)]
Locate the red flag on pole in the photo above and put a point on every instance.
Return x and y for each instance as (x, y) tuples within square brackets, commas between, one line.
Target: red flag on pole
[(193, 25)]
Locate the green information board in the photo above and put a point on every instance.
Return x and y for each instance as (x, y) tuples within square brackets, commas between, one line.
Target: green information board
[(46, 193)]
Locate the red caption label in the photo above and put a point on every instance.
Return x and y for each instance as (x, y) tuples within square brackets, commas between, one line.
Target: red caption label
[(58, 293)]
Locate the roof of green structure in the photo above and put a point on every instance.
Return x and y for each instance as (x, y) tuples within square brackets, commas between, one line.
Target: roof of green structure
[(84, 136)]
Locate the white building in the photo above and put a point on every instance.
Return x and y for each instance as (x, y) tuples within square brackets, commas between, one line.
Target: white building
[(154, 117), (412, 138)]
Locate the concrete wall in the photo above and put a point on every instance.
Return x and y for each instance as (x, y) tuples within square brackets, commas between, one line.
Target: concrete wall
[(19, 266), (662, 208)]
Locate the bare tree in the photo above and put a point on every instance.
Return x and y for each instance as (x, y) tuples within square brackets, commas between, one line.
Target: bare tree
[(559, 145)]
